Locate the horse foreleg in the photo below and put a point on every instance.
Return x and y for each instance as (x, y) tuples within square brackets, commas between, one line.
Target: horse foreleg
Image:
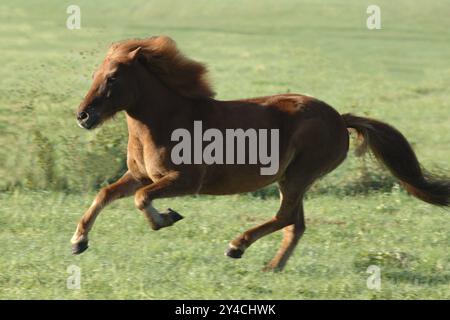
[(171, 185), (124, 187)]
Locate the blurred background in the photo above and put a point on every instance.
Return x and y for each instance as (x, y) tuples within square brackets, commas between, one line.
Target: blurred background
[(50, 168)]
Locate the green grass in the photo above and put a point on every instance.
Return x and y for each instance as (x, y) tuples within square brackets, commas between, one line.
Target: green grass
[(400, 74), (408, 240)]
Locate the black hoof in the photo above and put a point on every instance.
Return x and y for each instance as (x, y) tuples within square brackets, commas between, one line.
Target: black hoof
[(79, 247), (175, 216), (234, 253)]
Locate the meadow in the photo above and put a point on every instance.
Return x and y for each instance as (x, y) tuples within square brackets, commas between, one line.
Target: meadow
[(357, 216)]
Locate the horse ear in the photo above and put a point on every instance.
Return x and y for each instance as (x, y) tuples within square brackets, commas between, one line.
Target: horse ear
[(135, 53)]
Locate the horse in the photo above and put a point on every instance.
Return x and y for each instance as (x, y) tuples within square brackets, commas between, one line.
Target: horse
[(161, 90)]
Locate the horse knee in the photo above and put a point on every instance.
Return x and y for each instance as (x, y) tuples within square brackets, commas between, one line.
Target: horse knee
[(141, 199)]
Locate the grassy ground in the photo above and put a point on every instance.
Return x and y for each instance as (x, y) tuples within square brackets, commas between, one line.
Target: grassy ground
[(407, 240), (400, 74)]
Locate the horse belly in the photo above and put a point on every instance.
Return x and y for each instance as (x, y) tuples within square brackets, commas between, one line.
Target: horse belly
[(232, 179)]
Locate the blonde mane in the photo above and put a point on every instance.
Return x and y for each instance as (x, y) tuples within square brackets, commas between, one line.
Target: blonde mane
[(162, 58)]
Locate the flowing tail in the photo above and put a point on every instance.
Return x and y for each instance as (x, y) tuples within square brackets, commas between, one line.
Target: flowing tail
[(392, 149)]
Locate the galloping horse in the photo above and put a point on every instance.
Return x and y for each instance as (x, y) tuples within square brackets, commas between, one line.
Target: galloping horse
[(161, 90)]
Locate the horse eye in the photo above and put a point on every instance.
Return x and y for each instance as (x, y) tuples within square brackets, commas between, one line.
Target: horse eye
[(111, 79)]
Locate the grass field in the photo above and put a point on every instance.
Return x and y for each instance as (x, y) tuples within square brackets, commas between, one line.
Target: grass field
[(51, 169)]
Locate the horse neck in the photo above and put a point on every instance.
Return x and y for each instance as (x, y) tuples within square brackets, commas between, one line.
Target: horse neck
[(155, 106)]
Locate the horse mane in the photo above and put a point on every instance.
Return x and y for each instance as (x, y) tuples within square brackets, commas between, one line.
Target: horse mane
[(163, 59)]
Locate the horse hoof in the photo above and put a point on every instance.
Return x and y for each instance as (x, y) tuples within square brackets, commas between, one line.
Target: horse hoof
[(79, 247), (234, 253), (175, 216)]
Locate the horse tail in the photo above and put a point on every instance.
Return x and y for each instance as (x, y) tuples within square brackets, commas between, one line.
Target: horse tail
[(392, 149)]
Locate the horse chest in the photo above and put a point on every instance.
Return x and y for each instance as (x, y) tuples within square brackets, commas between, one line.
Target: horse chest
[(145, 164)]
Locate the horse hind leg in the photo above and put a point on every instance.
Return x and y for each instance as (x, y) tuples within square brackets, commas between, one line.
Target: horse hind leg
[(300, 174), (288, 215), (291, 237), (292, 190)]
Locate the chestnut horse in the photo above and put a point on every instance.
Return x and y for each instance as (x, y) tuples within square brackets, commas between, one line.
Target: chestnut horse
[(161, 90)]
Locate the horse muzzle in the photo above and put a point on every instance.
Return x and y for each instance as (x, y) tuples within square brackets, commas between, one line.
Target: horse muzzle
[(87, 120)]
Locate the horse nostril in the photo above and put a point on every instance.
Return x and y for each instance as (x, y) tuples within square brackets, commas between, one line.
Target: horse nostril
[(83, 116)]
